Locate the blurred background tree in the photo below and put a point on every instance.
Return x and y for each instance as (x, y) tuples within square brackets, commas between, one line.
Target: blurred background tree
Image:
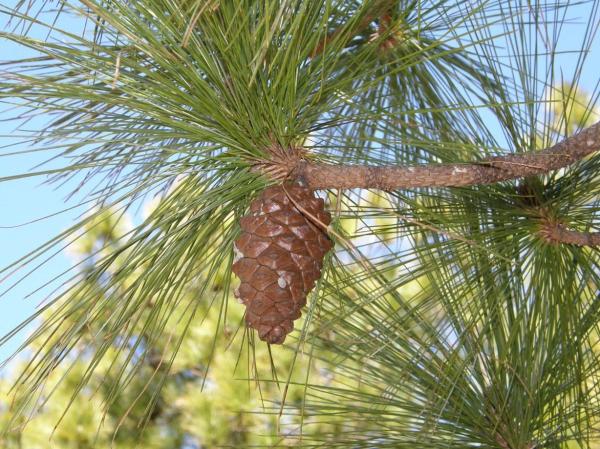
[(195, 406), (459, 308)]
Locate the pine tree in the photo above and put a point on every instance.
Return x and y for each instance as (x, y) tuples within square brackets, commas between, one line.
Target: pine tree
[(459, 303)]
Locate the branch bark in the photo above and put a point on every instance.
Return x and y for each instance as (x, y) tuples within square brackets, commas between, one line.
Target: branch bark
[(487, 171), (557, 233)]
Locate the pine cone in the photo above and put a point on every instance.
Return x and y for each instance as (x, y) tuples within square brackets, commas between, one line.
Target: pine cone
[(279, 257)]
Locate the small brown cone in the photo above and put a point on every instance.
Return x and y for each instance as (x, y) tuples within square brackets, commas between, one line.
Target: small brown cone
[(279, 257)]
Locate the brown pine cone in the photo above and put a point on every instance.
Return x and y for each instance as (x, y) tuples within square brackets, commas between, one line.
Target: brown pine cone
[(279, 257)]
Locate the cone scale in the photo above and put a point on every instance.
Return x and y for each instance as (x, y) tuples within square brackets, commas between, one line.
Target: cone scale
[(279, 257)]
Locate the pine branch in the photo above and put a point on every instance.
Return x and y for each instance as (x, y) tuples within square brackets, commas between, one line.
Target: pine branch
[(488, 171), (333, 35), (379, 8), (557, 233)]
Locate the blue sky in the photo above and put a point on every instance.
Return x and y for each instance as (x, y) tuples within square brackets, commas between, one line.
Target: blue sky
[(25, 200)]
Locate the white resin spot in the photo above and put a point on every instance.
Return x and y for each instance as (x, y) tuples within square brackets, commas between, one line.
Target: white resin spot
[(237, 254), (457, 170), (236, 293), (281, 282), (590, 143)]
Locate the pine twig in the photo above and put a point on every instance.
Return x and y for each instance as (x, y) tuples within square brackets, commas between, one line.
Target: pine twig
[(381, 7), (557, 233), (489, 171)]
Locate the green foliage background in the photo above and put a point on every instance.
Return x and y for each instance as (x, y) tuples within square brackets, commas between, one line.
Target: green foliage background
[(224, 406)]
